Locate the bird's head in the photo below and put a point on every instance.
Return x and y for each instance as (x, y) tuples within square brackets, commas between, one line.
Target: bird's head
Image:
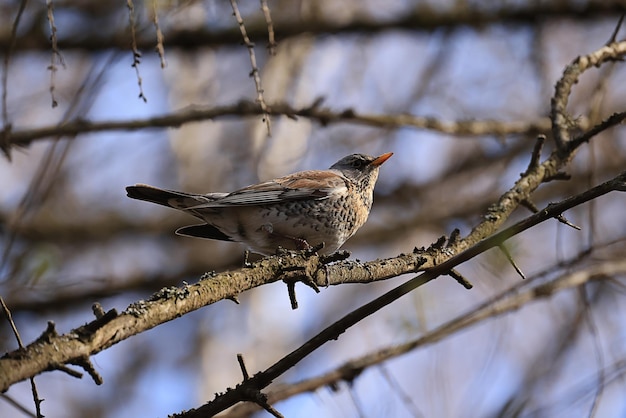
[(361, 167)]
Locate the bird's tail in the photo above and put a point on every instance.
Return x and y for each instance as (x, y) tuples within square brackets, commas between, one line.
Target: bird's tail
[(169, 198)]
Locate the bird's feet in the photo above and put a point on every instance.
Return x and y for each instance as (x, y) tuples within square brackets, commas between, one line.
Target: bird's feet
[(300, 243)]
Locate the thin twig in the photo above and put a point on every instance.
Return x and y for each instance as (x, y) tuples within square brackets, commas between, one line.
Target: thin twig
[(399, 391), (4, 140), (242, 366), (33, 386), (87, 365), (536, 155), (291, 290), (8, 399), (613, 37), (509, 257), (614, 119), (56, 54), (255, 74), (460, 279), (135, 50), (593, 329), (565, 221), (7, 313), (159, 34), (271, 41)]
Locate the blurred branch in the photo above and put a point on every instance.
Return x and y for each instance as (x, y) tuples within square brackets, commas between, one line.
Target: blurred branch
[(420, 19), (324, 116), (133, 45), (508, 301), (60, 299), (554, 354), (8, 51), (154, 17), (255, 74), (36, 399), (56, 54)]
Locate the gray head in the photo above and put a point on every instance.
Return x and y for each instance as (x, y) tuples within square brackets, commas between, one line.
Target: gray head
[(360, 166), (363, 170)]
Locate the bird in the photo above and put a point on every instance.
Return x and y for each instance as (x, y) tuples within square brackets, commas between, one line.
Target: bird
[(300, 211)]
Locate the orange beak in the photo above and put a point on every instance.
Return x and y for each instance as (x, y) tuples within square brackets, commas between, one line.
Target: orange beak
[(381, 159)]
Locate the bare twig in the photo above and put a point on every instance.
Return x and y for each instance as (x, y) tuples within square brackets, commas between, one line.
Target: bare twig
[(135, 50), (242, 366), (271, 41), (593, 329), (535, 158), (86, 364), (256, 396), (255, 69), (56, 54), (460, 279), (8, 399), (159, 34), (564, 220), (614, 119), (613, 37), (4, 140), (33, 386), (7, 313), (399, 391), (509, 257)]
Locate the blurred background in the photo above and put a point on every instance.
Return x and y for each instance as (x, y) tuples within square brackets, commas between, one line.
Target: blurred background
[(71, 237)]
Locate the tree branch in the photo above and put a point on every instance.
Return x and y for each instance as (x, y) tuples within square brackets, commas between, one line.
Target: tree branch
[(507, 301), (421, 19), (324, 116)]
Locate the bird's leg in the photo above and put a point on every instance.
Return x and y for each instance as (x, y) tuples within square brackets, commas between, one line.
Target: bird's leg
[(300, 243), (246, 256)]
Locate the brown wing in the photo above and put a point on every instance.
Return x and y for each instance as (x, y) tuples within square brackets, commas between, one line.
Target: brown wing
[(314, 184)]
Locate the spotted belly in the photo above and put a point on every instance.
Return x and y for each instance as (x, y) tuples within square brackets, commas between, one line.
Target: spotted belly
[(265, 228)]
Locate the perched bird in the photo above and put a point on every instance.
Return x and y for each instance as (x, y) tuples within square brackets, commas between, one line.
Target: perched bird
[(297, 211)]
